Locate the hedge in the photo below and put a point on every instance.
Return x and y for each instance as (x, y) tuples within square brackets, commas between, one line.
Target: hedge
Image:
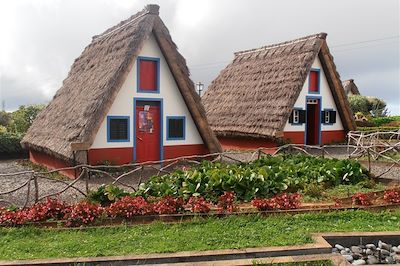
[(10, 145)]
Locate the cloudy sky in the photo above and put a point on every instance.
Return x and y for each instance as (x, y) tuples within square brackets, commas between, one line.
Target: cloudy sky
[(41, 38)]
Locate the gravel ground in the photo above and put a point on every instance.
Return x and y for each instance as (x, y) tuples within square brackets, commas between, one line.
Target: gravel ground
[(47, 186)]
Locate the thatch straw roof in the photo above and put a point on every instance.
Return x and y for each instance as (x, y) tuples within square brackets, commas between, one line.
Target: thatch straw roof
[(350, 86), (254, 95), (80, 105)]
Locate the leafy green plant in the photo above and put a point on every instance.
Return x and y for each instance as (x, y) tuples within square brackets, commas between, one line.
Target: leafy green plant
[(106, 194), (262, 178)]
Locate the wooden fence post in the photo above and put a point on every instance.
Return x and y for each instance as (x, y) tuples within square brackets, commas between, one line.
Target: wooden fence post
[(35, 182), (369, 160)]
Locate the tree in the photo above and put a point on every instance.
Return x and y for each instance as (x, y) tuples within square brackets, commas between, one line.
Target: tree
[(5, 119), (368, 105), (23, 118)]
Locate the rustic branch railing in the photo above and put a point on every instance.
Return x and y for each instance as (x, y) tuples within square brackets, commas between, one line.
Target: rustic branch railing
[(122, 172)]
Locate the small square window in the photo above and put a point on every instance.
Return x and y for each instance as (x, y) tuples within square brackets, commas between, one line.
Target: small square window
[(118, 129), (176, 128)]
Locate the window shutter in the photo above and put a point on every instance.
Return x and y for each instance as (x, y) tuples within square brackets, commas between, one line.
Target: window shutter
[(291, 118), (332, 117), (323, 117), (302, 116)]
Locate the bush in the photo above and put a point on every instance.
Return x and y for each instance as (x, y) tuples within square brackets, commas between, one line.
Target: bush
[(198, 205), (226, 203), (83, 213), (169, 205), (51, 209), (282, 201), (262, 178), (392, 196), (363, 199), (128, 207), (367, 105), (106, 194), (10, 144)]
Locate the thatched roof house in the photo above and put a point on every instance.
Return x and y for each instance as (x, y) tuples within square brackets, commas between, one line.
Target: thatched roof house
[(350, 88), (255, 95), (93, 91)]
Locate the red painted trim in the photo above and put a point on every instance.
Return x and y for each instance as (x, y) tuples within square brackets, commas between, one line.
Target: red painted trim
[(50, 162), (115, 156), (330, 136), (175, 151), (327, 136), (295, 137), (245, 143)]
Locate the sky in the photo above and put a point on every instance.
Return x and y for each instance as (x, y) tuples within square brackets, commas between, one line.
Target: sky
[(40, 39)]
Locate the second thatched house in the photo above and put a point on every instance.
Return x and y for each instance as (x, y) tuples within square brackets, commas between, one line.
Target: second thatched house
[(127, 98), (288, 91), (350, 88)]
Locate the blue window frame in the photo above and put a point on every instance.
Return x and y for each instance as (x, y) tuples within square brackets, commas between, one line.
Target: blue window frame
[(176, 127), (154, 59), (318, 71), (118, 129)]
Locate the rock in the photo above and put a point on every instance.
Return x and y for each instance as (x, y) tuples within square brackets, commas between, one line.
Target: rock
[(383, 245), (349, 258), (335, 250), (370, 246), (372, 260), (384, 252), (339, 247), (359, 262), (389, 260), (347, 250), (356, 249), (396, 250), (397, 258), (368, 251), (344, 252), (357, 256)]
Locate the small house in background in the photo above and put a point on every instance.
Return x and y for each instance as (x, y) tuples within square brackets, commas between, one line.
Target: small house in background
[(350, 88), (288, 91), (127, 98)]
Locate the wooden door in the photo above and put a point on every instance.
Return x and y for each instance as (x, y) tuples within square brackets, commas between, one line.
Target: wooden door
[(148, 131), (313, 122)]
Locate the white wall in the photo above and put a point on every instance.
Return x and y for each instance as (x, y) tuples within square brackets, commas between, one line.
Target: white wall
[(327, 101), (173, 103)]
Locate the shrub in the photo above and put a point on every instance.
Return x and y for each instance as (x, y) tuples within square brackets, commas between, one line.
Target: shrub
[(226, 203), (282, 201), (198, 205), (106, 194), (392, 196), (12, 217), (169, 205), (363, 199), (128, 207), (83, 213), (51, 209), (10, 144)]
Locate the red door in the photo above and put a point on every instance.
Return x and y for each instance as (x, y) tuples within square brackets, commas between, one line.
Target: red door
[(147, 130), (313, 122)]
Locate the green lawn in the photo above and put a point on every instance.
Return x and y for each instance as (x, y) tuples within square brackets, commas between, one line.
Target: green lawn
[(200, 234), (306, 263)]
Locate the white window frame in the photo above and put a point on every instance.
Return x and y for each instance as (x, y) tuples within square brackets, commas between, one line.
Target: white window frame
[(296, 116), (327, 117)]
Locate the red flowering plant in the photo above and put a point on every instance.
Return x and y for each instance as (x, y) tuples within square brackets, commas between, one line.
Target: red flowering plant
[(226, 202), (10, 217), (50, 209), (363, 199), (83, 213), (128, 207), (198, 205), (169, 205), (284, 201), (392, 195)]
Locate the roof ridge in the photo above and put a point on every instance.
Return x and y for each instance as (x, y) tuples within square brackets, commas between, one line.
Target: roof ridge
[(148, 9), (321, 35)]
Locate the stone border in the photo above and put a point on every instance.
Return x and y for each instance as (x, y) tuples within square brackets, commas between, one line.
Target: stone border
[(318, 250)]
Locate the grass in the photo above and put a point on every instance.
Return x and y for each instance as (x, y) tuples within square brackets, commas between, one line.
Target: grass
[(342, 191), (200, 234)]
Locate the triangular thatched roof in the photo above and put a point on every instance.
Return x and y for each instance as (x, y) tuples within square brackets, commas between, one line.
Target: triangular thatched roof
[(255, 93), (350, 86), (80, 105)]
